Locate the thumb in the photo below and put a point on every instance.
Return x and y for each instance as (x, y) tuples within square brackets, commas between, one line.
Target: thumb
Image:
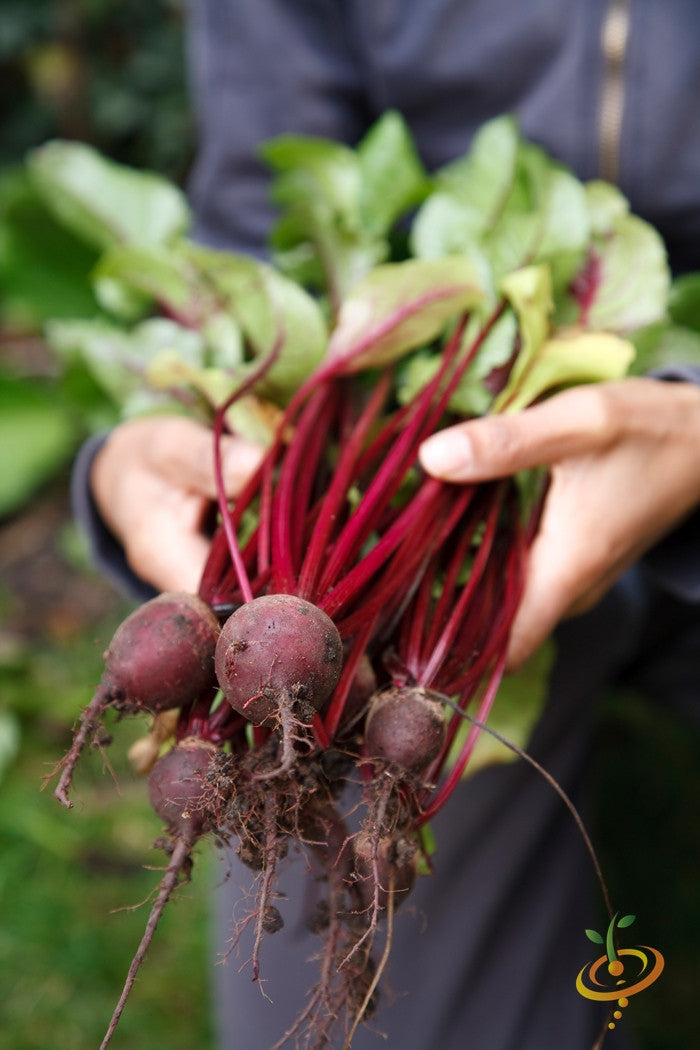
[(567, 424)]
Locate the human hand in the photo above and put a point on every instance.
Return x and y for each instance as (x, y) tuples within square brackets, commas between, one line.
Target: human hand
[(153, 482), (625, 468)]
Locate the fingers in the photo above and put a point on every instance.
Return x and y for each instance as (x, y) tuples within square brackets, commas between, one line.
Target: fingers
[(183, 451), (575, 421), (623, 470)]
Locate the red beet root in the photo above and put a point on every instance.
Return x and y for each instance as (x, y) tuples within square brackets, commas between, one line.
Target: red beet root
[(405, 727), (179, 790), (161, 657), (278, 651)]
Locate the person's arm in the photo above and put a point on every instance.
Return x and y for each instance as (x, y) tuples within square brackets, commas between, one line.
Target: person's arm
[(625, 470)]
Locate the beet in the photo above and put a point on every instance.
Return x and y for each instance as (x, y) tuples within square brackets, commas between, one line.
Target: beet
[(278, 651), (405, 727), (162, 655), (180, 791)]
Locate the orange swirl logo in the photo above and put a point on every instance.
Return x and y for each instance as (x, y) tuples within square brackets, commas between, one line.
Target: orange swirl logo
[(621, 972)]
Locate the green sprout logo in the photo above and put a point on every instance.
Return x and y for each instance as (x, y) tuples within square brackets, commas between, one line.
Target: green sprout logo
[(621, 972)]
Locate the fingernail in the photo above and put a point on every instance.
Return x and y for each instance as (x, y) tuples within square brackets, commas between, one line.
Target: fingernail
[(448, 455)]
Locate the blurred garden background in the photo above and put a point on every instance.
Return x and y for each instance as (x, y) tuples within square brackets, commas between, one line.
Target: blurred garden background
[(110, 73)]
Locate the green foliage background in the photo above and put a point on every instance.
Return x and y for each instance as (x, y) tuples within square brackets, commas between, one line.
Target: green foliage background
[(73, 885), (110, 72)]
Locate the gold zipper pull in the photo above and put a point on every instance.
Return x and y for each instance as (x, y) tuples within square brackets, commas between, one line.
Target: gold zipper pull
[(614, 39)]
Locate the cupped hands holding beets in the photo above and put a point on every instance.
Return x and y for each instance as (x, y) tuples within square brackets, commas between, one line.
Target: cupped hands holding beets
[(624, 466)]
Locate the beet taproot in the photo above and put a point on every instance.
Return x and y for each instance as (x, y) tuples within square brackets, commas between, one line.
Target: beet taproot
[(384, 868)]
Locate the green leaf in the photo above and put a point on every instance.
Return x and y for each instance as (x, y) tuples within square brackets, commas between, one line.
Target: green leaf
[(320, 238), (155, 273), (399, 307), (224, 339), (626, 920), (118, 359), (566, 359), (428, 848), (311, 168), (529, 291), (9, 740), (247, 416), (594, 936), (445, 225), (634, 279), (472, 396), (393, 178), (664, 344), (469, 196), (561, 205), (483, 178), (684, 301), (44, 269), (508, 203), (414, 373), (38, 436), (103, 202), (267, 306)]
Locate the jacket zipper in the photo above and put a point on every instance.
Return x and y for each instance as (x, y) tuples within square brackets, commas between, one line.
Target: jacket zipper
[(614, 39)]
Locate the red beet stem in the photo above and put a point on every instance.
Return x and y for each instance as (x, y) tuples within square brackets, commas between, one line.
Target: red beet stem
[(336, 705), (443, 645), (442, 794), (337, 490), (359, 576), (390, 475), (427, 615), (219, 423), (296, 478)]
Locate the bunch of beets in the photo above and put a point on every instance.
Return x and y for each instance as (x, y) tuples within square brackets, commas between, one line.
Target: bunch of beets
[(319, 651), (353, 610)]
